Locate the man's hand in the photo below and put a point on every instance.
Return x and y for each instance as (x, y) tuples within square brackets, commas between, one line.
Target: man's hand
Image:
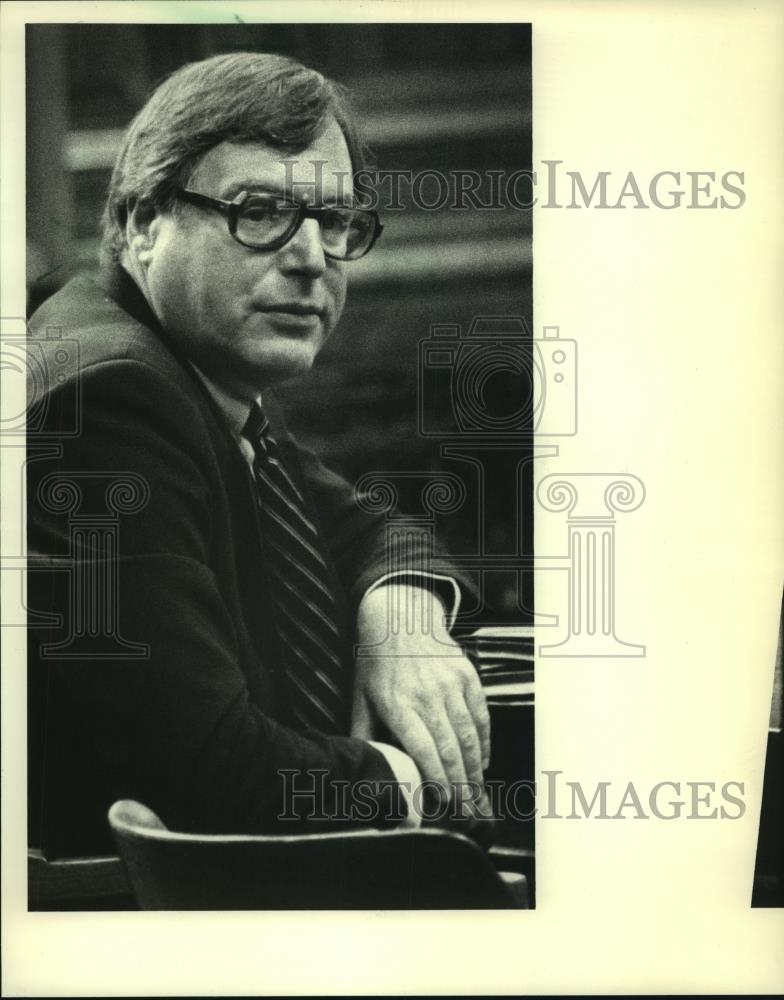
[(419, 683)]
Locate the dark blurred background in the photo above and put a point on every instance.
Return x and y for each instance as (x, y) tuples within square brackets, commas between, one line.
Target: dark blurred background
[(429, 96)]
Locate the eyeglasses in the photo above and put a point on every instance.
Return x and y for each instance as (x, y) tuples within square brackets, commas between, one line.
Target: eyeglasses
[(267, 222)]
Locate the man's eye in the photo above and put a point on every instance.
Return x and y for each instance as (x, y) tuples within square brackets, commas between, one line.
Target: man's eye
[(266, 211), (337, 222)]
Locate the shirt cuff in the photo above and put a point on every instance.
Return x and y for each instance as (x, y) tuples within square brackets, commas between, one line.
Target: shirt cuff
[(408, 778), (447, 589)]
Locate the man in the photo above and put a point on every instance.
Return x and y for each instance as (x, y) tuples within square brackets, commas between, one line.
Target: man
[(243, 570)]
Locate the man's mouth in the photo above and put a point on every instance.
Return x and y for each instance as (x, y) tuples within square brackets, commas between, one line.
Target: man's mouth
[(294, 308)]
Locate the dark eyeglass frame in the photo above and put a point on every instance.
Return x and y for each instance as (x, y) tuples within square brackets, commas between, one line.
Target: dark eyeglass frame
[(232, 209)]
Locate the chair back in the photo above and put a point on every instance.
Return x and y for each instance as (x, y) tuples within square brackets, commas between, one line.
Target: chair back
[(369, 869)]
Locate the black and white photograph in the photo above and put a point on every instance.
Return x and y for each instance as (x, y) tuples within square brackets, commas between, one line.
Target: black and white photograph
[(279, 479), (391, 477)]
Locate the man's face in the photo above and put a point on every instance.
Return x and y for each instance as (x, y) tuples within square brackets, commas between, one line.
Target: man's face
[(250, 318)]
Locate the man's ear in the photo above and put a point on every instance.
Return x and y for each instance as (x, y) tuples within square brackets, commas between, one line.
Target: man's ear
[(142, 228)]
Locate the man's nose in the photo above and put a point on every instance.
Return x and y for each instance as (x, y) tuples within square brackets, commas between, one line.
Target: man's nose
[(304, 251)]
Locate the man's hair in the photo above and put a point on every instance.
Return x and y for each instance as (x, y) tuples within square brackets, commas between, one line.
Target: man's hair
[(239, 97)]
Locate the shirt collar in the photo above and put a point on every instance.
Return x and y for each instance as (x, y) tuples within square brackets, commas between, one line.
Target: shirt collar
[(234, 409)]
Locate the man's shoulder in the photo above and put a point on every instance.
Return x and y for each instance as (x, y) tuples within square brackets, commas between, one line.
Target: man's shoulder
[(87, 352), (81, 326)]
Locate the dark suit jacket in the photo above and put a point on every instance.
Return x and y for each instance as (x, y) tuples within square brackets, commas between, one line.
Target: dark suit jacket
[(169, 565)]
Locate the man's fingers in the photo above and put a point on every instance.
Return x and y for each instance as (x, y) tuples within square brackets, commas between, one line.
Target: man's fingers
[(462, 723), (419, 745), (438, 714), (453, 737), (483, 807), (477, 706)]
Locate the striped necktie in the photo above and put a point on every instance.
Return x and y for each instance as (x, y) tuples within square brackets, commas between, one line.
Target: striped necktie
[(307, 620)]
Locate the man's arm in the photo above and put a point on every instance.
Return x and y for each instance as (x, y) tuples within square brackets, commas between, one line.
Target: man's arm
[(415, 679), (356, 538), (410, 674), (179, 729)]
